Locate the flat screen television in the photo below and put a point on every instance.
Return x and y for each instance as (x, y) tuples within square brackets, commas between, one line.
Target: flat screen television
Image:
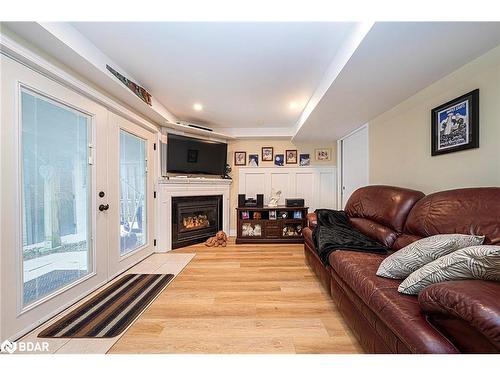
[(188, 155)]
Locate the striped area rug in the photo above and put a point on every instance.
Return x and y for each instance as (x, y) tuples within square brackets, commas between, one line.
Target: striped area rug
[(111, 311)]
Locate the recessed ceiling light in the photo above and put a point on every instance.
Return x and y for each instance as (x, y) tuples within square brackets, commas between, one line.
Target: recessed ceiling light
[(197, 107)]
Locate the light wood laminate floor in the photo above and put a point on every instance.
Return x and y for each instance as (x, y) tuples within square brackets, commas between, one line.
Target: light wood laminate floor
[(241, 299)]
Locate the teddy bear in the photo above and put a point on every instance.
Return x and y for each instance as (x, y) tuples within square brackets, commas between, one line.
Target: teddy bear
[(220, 239)]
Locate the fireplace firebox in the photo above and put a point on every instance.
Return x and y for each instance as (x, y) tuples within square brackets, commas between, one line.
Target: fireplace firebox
[(195, 218)]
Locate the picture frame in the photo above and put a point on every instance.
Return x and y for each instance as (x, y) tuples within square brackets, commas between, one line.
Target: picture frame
[(297, 214), (323, 154), (291, 156), (279, 160), (304, 160), (253, 160), (245, 215), (267, 154), (455, 124), (272, 215), (240, 158)]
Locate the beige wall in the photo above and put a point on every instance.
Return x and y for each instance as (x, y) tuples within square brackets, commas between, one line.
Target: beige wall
[(400, 139), (254, 146)]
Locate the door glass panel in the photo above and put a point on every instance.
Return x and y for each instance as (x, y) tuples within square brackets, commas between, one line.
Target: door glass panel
[(56, 185), (132, 192)]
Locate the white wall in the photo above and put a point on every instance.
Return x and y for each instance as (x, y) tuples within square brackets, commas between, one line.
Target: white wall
[(400, 139)]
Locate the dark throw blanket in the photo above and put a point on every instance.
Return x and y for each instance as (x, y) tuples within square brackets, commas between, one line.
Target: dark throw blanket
[(334, 232)]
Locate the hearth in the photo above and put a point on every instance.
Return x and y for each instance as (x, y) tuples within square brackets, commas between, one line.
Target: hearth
[(195, 218)]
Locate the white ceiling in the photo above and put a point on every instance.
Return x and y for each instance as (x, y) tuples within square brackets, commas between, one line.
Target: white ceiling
[(393, 62), (244, 74)]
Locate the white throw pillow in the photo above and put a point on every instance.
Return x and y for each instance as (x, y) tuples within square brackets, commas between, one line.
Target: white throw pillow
[(417, 254), (475, 262)]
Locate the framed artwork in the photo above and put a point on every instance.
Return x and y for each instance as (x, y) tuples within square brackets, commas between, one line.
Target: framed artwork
[(455, 124), (297, 214), (304, 160), (240, 158), (323, 154), (267, 154), (291, 156), (272, 215), (245, 215), (253, 160), (279, 160)]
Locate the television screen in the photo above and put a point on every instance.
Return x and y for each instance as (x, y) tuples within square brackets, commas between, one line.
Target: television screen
[(195, 156)]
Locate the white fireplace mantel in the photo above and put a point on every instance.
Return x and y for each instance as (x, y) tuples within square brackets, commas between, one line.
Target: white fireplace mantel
[(184, 187)]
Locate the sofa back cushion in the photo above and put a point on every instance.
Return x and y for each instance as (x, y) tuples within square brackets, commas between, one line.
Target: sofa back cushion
[(467, 211), (381, 211)]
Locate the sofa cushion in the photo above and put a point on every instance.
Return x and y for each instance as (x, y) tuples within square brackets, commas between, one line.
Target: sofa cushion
[(417, 254), (400, 313), (466, 211), (475, 262), (386, 205)]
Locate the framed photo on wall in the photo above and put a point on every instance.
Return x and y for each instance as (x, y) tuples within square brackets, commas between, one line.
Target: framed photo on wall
[(240, 158), (291, 156), (323, 154), (267, 154), (253, 160), (455, 124)]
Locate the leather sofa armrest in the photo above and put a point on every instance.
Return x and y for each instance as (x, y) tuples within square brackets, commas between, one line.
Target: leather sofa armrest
[(467, 312), (312, 220)]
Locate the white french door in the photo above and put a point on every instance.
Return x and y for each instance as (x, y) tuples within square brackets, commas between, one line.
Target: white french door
[(131, 185), (75, 197)]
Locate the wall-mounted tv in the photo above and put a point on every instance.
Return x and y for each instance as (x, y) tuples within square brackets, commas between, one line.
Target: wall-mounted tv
[(188, 155)]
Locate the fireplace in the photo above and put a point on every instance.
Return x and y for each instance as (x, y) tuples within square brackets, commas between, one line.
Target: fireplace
[(195, 218)]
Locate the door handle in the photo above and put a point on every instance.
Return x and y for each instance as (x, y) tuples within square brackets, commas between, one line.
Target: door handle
[(103, 207)]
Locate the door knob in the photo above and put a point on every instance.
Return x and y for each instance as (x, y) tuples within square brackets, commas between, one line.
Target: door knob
[(103, 207)]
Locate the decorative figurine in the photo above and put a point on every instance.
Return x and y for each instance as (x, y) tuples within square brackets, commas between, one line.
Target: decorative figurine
[(273, 202)]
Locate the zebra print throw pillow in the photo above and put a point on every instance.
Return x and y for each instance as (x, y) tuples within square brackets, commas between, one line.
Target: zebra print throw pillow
[(475, 262), (417, 254)]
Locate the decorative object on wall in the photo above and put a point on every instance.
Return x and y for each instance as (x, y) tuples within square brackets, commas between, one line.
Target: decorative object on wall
[(275, 197), (291, 156), (455, 124), (240, 158), (279, 160), (267, 153), (323, 154), (141, 92), (304, 160), (253, 160)]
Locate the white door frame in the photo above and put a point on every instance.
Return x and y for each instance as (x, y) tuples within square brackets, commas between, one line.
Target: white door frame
[(340, 162)]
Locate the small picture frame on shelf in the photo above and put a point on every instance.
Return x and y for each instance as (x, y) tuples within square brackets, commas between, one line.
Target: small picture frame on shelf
[(304, 160), (257, 215), (279, 160), (253, 160), (272, 215), (245, 215), (267, 154), (291, 156), (283, 215), (240, 158), (297, 214)]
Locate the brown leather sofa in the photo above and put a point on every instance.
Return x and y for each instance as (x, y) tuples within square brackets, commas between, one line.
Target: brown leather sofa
[(449, 317)]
